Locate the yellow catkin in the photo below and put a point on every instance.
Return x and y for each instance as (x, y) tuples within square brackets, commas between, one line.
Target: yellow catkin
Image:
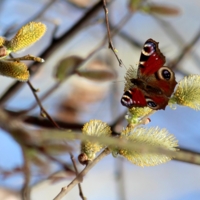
[(15, 70), (2, 41), (188, 92), (150, 136), (130, 74), (140, 112), (26, 36), (94, 128)]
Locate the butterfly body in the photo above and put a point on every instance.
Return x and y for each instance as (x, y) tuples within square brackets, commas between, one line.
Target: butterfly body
[(154, 84)]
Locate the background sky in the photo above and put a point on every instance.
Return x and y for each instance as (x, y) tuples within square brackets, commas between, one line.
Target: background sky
[(112, 177)]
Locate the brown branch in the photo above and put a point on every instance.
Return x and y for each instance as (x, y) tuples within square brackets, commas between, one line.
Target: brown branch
[(42, 151), (111, 46), (79, 178), (185, 50), (26, 169), (43, 111), (46, 124), (172, 33), (57, 126), (76, 170), (43, 97), (19, 132)]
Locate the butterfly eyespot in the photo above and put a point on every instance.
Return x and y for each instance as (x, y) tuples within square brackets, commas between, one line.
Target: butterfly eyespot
[(165, 73), (126, 99), (149, 48), (151, 103)]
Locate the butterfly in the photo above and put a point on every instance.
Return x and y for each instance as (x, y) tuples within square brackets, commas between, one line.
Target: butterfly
[(154, 84)]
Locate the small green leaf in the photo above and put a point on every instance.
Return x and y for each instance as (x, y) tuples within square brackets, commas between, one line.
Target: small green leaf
[(67, 67), (97, 75), (160, 9), (134, 5)]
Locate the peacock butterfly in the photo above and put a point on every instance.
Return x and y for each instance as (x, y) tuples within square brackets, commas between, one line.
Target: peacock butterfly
[(154, 84)]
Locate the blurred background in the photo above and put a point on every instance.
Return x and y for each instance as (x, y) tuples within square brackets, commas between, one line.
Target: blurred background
[(77, 100)]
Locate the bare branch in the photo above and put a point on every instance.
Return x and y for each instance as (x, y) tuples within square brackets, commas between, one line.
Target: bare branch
[(79, 178), (27, 176), (111, 46)]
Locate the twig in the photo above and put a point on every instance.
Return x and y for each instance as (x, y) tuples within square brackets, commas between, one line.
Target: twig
[(76, 170), (172, 33), (43, 97), (42, 151), (45, 123), (27, 57), (43, 111), (56, 125), (25, 189), (79, 178), (111, 46), (185, 50)]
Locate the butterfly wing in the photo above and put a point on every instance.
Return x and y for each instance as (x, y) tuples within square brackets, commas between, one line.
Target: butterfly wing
[(152, 72), (133, 97), (151, 59), (136, 97), (154, 84)]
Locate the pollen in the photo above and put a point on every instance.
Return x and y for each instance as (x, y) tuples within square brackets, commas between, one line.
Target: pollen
[(26, 36), (16, 70), (188, 92), (94, 128), (2, 41), (154, 137)]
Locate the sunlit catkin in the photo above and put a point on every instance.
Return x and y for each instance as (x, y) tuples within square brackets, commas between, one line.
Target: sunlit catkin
[(26, 36), (154, 137), (188, 92), (17, 70), (94, 128), (2, 41), (130, 74)]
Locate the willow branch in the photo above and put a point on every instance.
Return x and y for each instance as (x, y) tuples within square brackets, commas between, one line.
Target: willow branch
[(76, 170), (26, 169), (23, 136), (185, 50), (57, 126), (80, 176), (111, 46), (43, 111), (172, 33)]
